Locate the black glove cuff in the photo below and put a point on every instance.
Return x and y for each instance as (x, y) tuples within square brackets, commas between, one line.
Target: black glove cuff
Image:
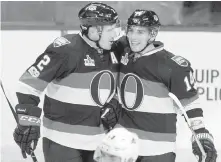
[(28, 109), (28, 115)]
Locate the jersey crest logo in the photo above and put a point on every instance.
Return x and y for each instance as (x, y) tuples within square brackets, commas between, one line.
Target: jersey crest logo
[(61, 41), (89, 61), (180, 61), (113, 58), (124, 59)]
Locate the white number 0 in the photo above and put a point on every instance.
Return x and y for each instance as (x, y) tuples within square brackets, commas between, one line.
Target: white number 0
[(189, 81)]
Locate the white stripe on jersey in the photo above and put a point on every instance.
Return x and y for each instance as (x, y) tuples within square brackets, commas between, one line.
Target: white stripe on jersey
[(26, 89), (152, 104), (74, 95)]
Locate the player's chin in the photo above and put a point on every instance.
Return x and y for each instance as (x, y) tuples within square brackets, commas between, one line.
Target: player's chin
[(108, 46), (135, 49)]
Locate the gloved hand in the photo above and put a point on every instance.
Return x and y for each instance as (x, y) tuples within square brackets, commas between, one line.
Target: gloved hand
[(27, 132), (206, 140), (110, 114)]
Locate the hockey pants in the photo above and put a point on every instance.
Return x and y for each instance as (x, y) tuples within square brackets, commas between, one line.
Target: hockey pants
[(54, 152)]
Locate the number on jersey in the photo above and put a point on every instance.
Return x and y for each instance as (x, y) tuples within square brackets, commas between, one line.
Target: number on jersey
[(190, 81), (34, 71)]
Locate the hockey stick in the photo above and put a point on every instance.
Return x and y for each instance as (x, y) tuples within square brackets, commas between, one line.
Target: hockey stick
[(176, 100), (16, 119)]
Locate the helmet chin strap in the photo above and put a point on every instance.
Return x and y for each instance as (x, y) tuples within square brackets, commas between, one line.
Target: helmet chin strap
[(99, 28)]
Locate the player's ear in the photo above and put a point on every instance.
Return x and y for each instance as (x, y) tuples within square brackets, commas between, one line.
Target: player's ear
[(153, 34), (93, 33)]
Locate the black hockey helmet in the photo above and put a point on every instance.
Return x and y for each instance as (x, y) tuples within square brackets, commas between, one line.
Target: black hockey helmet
[(145, 18), (96, 13)]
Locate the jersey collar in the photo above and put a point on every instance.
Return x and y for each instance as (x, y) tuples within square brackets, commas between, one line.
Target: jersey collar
[(158, 46), (89, 42)]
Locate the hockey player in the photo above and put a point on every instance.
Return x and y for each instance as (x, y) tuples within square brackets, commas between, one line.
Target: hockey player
[(148, 73), (80, 72), (119, 145)]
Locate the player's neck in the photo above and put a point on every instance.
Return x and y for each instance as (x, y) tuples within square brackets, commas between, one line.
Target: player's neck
[(89, 42), (149, 48)]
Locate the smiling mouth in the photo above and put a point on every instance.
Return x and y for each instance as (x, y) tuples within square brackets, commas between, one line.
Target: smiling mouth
[(134, 43)]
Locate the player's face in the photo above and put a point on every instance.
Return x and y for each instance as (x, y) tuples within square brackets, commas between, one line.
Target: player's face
[(108, 35), (138, 37), (109, 158)]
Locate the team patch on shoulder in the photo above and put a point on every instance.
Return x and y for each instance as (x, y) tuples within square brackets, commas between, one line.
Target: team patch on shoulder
[(180, 61), (61, 41)]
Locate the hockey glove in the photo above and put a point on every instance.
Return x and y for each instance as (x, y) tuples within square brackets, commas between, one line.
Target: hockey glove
[(206, 140), (27, 132), (110, 114)]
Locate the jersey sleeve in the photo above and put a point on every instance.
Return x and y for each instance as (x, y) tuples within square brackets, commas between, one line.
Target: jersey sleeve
[(182, 84), (52, 64)]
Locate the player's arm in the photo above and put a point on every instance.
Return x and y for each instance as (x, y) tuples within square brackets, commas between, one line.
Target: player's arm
[(50, 65), (182, 84)]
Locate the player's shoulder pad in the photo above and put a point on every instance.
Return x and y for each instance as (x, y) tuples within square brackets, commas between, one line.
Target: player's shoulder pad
[(65, 41), (180, 61), (175, 61), (61, 41), (63, 44), (169, 63)]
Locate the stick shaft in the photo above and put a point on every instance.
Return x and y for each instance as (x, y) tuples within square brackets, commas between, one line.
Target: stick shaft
[(180, 106), (16, 119)]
